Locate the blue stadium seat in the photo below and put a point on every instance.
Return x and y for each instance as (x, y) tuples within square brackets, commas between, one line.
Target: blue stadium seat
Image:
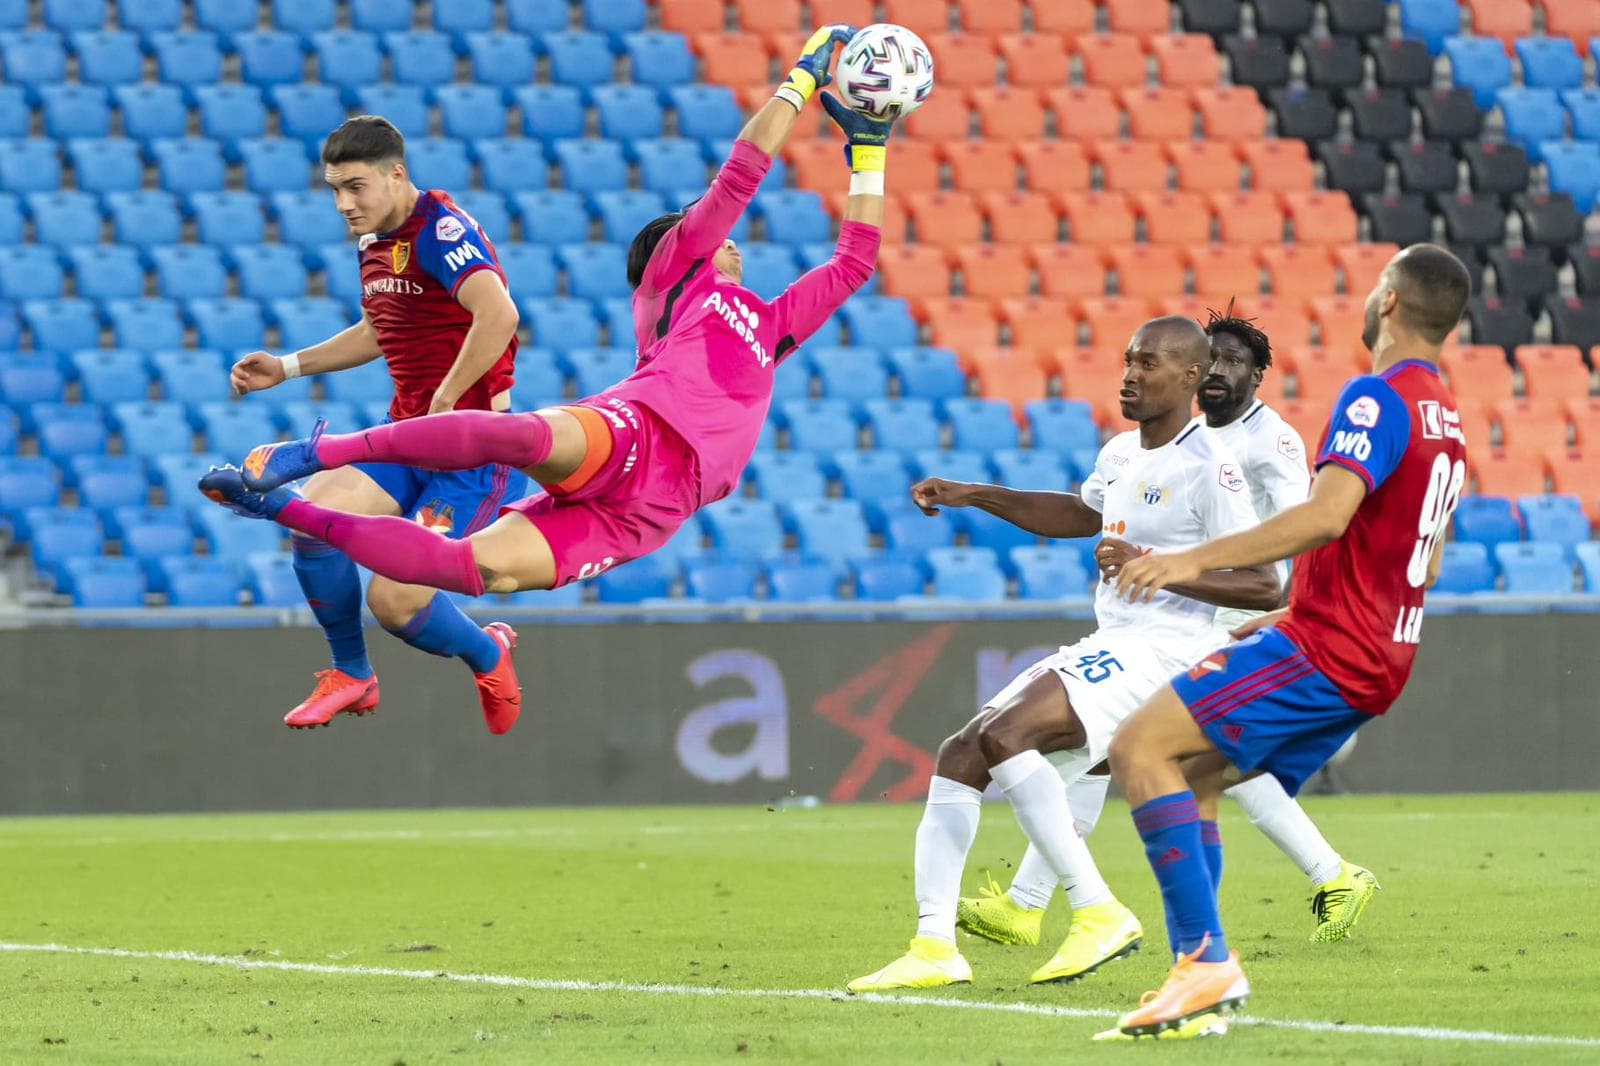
[(551, 217), (187, 57), (986, 531), (198, 581), (27, 382), (551, 112), (33, 57), (301, 417), (624, 212), (341, 272), (1480, 64), (541, 377), (228, 323), (1431, 21), (908, 531), (1583, 107), (768, 269), (268, 272), (596, 271), (226, 18), (616, 17), (83, 434), (721, 580), (190, 376), (886, 578), (1045, 573), (853, 374), (798, 216), (30, 165), (308, 320), (308, 112), (968, 574), (594, 369), (538, 16), (153, 543), (62, 325), (231, 113), (589, 165), (1589, 563), (102, 583), (308, 220), (560, 322), (1534, 568), (1532, 118), (802, 580), (151, 112), (109, 482), (463, 18), (617, 314), (471, 111), (234, 428), (532, 272), (57, 535), (1465, 568), (146, 324), (107, 271), (882, 322), (439, 163), (190, 165), (26, 482), (824, 426), (370, 383), (579, 58), (111, 376), (421, 57), (1573, 168), (902, 425), (145, 218), (380, 16), (177, 472), (227, 218), (1550, 63), (744, 529), (189, 271), (349, 59), (271, 58), (147, 16), (488, 209), (65, 219), (511, 164), (108, 57), (13, 14), (16, 113), (76, 111), (835, 530), (233, 539), (275, 164), (787, 476), (151, 430), (502, 60), (69, 15), (304, 17), (1062, 426), (1556, 520), (706, 112), (928, 373), (272, 580), (628, 112), (1031, 470), (647, 578), (871, 477), (660, 59), (1487, 520), (112, 164), (10, 433), (31, 272)]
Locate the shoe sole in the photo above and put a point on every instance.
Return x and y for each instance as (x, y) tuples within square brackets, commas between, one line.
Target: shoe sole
[(906, 988), (974, 924), (1199, 1027), (1333, 932), (1130, 948), (1222, 1008)]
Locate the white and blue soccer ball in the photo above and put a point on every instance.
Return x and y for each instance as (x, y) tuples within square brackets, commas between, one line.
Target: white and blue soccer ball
[(885, 72)]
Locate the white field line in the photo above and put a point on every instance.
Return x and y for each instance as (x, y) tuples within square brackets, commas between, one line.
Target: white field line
[(1408, 1032)]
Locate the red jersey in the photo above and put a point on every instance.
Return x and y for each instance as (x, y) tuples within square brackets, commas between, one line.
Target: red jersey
[(1355, 605), (409, 279)]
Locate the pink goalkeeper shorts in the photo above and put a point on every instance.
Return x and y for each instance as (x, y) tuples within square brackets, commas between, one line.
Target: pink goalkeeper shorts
[(628, 505)]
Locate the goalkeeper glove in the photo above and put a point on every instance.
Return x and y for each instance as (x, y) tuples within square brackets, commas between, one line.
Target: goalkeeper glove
[(865, 138), (810, 71)]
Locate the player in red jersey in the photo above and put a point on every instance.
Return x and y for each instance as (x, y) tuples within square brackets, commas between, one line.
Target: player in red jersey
[(1390, 468), (434, 305)]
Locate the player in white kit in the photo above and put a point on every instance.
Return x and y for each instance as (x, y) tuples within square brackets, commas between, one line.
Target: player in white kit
[(1272, 456), (1169, 482)]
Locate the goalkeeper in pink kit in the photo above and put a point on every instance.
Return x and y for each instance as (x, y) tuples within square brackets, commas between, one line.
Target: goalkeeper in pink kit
[(623, 470)]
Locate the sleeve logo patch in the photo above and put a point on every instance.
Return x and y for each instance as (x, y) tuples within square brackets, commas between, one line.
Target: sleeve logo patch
[(1288, 447), (449, 229), (1229, 477), (1363, 412)]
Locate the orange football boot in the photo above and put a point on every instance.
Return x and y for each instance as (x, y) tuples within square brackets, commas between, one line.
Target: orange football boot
[(336, 693), (498, 690), (1192, 988)]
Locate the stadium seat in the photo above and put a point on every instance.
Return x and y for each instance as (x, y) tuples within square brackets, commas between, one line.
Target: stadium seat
[(109, 57), (1589, 563), (833, 530), (872, 477), (744, 529), (31, 272), (928, 373), (1555, 519), (590, 166), (967, 574), (659, 59), (270, 58), (511, 164), (57, 535), (1534, 569), (190, 165), (1553, 371), (190, 271), (101, 582), (228, 323), (1583, 110), (901, 425), (198, 581), (307, 112), (1573, 167), (75, 111), (1480, 64), (650, 577), (981, 425), (226, 18), (1465, 569), (802, 580), (1062, 426), (423, 58), (471, 112), (721, 580), (1532, 117), (885, 579), (32, 164), (228, 218), (275, 164), (111, 376), (231, 113), (1049, 573), (850, 374), (1189, 60), (187, 57), (578, 58), (787, 475), (33, 57), (1550, 63), (439, 163), (107, 483), (272, 580), (880, 322)]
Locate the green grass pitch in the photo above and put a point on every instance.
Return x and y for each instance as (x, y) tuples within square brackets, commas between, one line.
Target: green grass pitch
[(319, 938)]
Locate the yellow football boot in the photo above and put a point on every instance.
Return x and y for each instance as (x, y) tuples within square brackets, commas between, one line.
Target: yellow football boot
[(994, 915), (1099, 933), (930, 963), (1338, 903)]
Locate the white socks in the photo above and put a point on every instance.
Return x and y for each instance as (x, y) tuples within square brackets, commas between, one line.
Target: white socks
[(1034, 788), (1286, 824), (1035, 881), (945, 835)]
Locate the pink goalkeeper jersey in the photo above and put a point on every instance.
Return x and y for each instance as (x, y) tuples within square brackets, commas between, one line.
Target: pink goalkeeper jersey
[(708, 347)]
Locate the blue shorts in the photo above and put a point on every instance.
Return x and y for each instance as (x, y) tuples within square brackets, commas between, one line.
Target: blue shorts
[(1266, 707), (456, 504)]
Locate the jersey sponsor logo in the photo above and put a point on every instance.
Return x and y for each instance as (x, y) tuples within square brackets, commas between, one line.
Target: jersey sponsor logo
[(392, 286), (400, 256), (1116, 459), (1440, 422), (1354, 443), (449, 229), (1155, 495), (436, 515), (1363, 411), (742, 320), (457, 258), (1118, 527), (1214, 663), (1228, 477), (1288, 447)]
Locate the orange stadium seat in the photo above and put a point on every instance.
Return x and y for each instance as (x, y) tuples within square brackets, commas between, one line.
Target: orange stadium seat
[(1279, 165), (1320, 373), (1247, 217), (923, 16), (1298, 271), (1131, 166), (1158, 114), (1584, 414), (1341, 319), (1194, 307), (1361, 264), (1504, 19), (1035, 59), (693, 16), (1205, 166), (1478, 374), (1510, 474), (1321, 217), (818, 164), (1231, 113), (964, 60), (1097, 217), (1307, 417), (1112, 319), (1114, 60), (1286, 322), (850, 12), (945, 117), (1578, 474), (1085, 112), (1019, 217), (1575, 19), (1224, 270), (959, 323), (1553, 371), (1094, 375), (1069, 269), (784, 44), (726, 58), (945, 217), (1187, 60), (1050, 166), (1009, 114), (1012, 375), (1139, 16), (895, 215), (1149, 271), (1040, 323), (990, 270), (763, 16), (1478, 427), (990, 16), (914, 270), (1065, 18), (1174, 217), (1536, 425), (754, 97), (981, 166)]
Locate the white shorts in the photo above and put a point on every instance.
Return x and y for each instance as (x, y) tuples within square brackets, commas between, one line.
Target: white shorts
[(1107, 676)]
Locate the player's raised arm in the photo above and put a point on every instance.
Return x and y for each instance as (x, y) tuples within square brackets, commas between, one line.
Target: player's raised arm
[(1045, 514), (348, 348)]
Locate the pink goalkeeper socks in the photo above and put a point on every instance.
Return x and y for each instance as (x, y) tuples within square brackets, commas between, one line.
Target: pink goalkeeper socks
[(458, 440), (394, 547)]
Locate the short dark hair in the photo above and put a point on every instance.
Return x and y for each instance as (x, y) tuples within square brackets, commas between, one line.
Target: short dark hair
[(364, 139), (644, 244), (1433, 287), (1244, 329)]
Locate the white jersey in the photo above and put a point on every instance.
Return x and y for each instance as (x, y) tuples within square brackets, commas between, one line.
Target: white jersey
[(1274, 461)]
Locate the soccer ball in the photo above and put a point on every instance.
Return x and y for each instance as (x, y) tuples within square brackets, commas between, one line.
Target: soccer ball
[(885, 72)]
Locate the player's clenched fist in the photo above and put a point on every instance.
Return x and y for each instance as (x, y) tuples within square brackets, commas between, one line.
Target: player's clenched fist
[(1111, 555), (255, 372), (932, 493)]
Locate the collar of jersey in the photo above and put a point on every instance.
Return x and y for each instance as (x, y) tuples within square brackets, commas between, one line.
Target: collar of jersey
[(1432, 368), (422, 200)]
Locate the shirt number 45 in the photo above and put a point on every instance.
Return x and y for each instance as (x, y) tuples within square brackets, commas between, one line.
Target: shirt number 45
[(1097, 667)]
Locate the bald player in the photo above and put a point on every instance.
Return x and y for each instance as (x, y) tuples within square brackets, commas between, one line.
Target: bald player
[(1167, 485)]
